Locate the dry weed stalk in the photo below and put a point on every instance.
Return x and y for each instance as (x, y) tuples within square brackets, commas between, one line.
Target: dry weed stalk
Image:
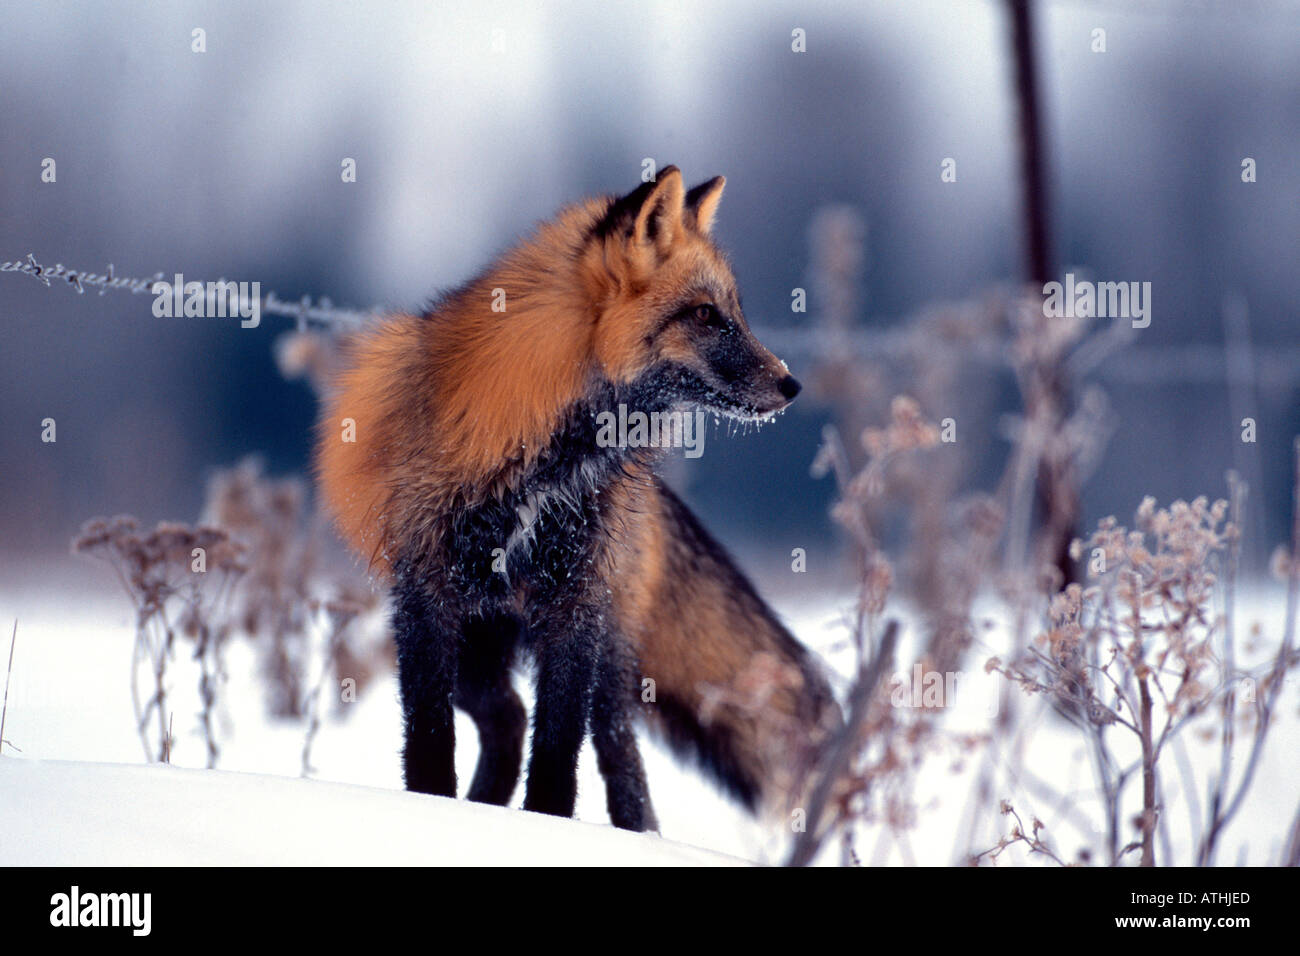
[(1141, 650), (1008, 542), (9, 673), (253, 567), (274, 602), (340, 656), (865, 772), (288, 584), (1030, 838), (1019, 834), (1223, 807), (178, 579)]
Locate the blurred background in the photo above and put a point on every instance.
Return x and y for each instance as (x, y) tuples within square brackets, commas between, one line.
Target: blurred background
[(469, 122)]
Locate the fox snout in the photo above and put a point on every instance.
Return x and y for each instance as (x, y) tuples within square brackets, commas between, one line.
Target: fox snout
[(785, 388), (767, 387)]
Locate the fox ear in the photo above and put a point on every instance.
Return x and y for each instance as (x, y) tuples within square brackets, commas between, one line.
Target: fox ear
[(652, 214), (702, 203), (659, 220)]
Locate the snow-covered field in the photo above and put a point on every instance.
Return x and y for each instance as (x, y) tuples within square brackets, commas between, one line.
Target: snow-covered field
[(78, 799), (72, 813), (72, 795)]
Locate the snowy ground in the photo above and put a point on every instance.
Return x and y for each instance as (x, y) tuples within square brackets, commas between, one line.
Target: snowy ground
[(69, 701), (70, 813)]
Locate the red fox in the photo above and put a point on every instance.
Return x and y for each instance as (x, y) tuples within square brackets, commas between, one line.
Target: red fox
[(459, 452)]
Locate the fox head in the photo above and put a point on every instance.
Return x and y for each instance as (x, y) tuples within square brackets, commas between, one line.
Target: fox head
[(667, 313)]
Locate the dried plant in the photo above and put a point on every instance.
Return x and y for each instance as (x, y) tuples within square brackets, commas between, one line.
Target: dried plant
[(865, 772), (9, 673), (915, 534), (1139, 650), (1143, 631), (254, 567), (342, 657), (1142, 651), (906, 491), (289, 584), (268, 517), (1019, 834), (310, 354), (178, 579)]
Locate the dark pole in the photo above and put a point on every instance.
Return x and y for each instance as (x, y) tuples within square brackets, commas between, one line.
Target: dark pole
[(1038, 251), (1058, 491)]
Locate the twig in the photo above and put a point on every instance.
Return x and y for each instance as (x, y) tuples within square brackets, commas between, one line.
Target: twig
[(1228, 735), (1188, 778), (1148, 777), (1018, 835), (1241, 375), (339, 622), (8, 674), (1220, 819), (840, 749), (1111, 786), (141, 714), (207, 691), (1292, 856)]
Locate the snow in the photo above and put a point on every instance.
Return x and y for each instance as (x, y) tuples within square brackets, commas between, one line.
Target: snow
[(70, 713), (73, 813), (78, 790)]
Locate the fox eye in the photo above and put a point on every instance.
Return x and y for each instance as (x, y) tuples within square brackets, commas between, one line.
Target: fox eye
[(707, 314)]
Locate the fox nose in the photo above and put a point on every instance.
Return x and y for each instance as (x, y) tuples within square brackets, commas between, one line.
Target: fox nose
[(789, 387)]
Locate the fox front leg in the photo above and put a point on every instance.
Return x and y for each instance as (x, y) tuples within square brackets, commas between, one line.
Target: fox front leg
[(627, 796), (484, 691), (566, 669), (426, 667)]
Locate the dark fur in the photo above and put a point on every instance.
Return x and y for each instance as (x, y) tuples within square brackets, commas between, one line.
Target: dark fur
[(458, 625)]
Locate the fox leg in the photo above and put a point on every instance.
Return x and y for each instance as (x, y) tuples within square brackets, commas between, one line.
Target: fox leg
[(626, 795), (426, 669), (566, 668), (483, 691)]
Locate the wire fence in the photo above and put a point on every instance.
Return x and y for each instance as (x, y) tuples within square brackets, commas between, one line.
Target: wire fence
[(306, 310), (1267, 368)]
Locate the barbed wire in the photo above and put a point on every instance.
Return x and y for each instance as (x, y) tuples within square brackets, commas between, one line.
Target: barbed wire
[(1268, 368), (306, 309), (78, 280)]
